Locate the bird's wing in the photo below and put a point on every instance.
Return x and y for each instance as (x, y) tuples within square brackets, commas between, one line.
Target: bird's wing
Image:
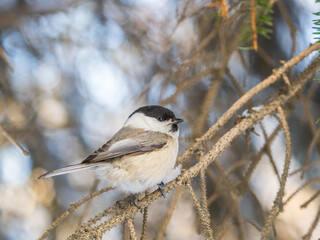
[(122, 147), (118, 146)]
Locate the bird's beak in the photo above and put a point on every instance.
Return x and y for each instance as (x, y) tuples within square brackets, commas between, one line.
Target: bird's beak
[(177, 120)]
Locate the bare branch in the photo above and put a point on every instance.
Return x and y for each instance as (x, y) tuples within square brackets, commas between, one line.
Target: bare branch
[(72, 208), (278, 202), (245, 98), (144, 224), (204, 218), (313, 226), (165, 221)]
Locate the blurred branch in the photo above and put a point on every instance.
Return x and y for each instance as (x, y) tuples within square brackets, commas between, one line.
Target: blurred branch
[(310, 182), (4, 57), (165, 221), (10, 139), (313, 197), (289, 23), (305, 167), (254, 25), (10, 18), (310, 147), (313, 226), (267, 151), (187, 84), (89, 203), (224, 11), (212, 92)]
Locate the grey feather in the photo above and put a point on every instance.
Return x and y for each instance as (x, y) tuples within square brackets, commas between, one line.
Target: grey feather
[(69, 169), (119, 145)]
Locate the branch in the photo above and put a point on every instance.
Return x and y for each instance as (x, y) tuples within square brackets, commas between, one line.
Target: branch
[(222, 144), (10, 139), (254, 25), (144, 224), (274, 77), (132, 231), (72, 208), (278, 202), (204, 217), (5, 59), (165, 221)]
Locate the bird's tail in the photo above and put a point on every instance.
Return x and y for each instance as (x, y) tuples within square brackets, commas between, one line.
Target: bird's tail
[(69, 169)]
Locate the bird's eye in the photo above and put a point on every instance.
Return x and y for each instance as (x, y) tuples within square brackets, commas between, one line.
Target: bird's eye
[(161, 119)]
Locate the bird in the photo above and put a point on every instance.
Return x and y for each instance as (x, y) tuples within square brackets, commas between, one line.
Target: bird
[(139, 156)]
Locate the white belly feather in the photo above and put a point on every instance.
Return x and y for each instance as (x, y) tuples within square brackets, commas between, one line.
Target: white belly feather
[(136, 174)]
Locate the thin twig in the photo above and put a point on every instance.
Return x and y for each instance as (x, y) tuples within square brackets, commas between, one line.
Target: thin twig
[(5, 59), (265, 57), (72, 208), (257, 158), (237, 86), (187, 84), (307, 116), (278, 202), (310, 182), (10, 139), (236, 165), (224, 9), (132, 231), (254, 25), (313, 197), (313, 226), (205, 221), (224, 225), (217, 81), (204, 199), (165, 221), (310, 147), (288, 21), (305, 167), (268, 152), (125, 231), (286, 79), (206, 105), (144, 224), (89, 203), (231, 196)]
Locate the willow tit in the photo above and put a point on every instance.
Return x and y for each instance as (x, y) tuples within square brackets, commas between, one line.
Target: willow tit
[(139, 156)]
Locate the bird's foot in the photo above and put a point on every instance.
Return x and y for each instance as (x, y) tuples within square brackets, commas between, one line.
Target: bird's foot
[(161, 186), (135, 201)]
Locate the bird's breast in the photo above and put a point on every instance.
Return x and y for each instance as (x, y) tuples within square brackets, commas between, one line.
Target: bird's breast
[(139, 172), (155, 164)]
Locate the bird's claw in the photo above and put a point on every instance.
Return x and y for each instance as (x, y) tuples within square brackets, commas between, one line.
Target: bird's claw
[(135, 201), (161, 186)]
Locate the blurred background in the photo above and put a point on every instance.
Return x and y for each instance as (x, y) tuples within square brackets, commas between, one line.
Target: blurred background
[(72, 71)]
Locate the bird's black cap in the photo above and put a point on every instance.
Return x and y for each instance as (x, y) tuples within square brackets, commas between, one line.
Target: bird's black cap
[(156, 111)]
